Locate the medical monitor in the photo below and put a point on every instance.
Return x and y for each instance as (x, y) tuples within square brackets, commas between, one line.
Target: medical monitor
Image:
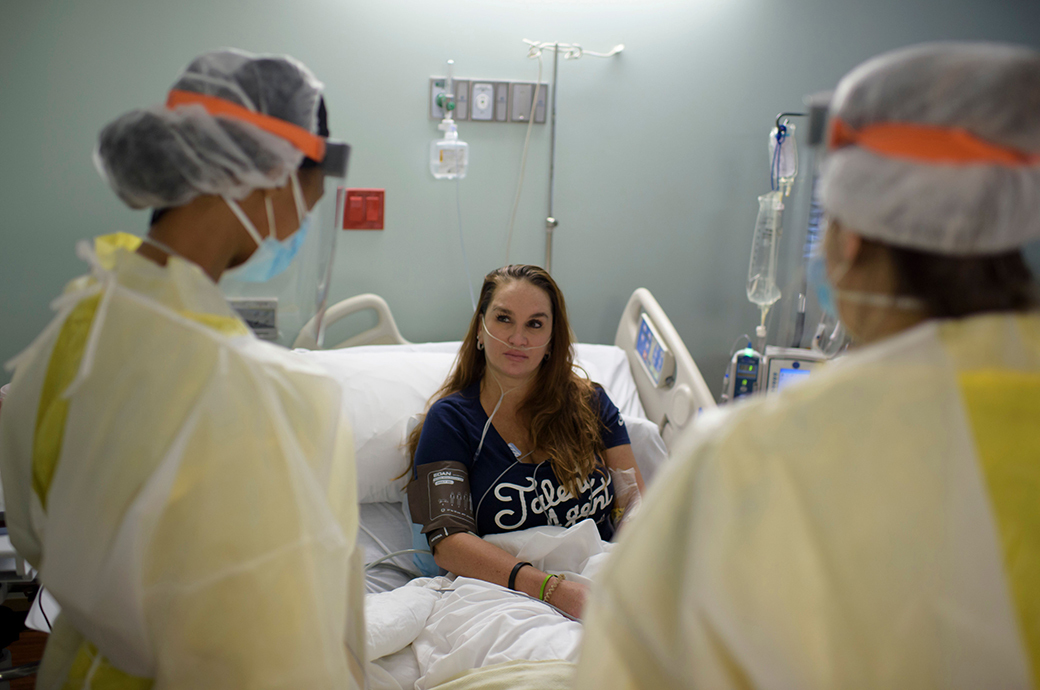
[(654, 354), (789, 365)]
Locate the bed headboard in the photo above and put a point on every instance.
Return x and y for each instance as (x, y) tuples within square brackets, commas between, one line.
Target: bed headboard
[(674, 402)]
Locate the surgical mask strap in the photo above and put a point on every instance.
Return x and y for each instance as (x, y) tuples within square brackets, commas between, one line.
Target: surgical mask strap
[(244, 220), (270, 217), (147, 239), (483, 322), (873, 299), (297, 191), (877, 299)]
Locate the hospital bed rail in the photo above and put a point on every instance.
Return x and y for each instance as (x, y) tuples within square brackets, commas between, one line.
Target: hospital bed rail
[(672, 404), (383, 333)]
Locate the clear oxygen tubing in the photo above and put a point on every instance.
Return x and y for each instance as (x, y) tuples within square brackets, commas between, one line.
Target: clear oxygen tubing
[(501, 388), (523, 158), (483, 323), (487, 426), (462, 243), (571, 51), (449, 98)]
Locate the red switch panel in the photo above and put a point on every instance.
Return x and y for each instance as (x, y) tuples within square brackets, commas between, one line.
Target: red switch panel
[(363, 209)]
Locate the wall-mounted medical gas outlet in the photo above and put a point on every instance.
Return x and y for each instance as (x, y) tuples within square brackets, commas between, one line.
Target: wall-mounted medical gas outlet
[(483, 100), (363, 209), (438, 86), (261, 315)]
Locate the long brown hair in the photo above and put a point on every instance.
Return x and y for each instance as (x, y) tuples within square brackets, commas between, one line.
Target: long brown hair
[(559, 409)]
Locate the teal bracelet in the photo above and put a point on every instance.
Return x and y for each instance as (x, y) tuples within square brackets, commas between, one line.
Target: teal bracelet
[(544, 583)]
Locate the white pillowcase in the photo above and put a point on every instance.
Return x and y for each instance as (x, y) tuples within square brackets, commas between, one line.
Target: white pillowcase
[(381, 390)]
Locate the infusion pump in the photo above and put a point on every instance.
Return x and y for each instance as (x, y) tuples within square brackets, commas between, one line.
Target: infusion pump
[(749, 372), (786, 365)]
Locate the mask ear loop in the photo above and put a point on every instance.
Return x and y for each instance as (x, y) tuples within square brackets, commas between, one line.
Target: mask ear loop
[(297, 192), (244, 220), (873, 299), (270, 218)]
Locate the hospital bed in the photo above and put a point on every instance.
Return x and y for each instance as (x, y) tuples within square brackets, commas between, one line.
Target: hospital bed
[(387, 381)]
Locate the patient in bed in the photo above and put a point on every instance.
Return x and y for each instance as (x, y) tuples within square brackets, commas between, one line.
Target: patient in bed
[(517, 439)]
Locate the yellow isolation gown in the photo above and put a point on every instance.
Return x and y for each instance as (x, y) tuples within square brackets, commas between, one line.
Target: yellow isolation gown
[(877, 526), (186, 491)]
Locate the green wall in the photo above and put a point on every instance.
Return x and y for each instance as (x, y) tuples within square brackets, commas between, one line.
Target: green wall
[(660, 152)]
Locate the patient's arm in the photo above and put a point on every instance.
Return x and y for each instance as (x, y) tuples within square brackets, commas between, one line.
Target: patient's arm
[(470, 556), (621, 458)]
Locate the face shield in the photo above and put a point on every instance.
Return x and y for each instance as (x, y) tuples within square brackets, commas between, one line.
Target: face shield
[(291, 305)]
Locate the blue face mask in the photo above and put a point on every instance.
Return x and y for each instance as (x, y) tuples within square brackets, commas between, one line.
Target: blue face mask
[(272, 256), (816, 274)]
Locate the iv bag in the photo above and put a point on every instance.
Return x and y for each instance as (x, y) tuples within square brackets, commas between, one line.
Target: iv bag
[(761, 285)]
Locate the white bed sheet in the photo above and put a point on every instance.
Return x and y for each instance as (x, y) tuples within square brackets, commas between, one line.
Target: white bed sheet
[(452, 626)]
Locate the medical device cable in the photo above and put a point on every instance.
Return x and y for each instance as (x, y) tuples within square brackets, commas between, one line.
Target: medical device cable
[(43, 611), (411, 574), (523, 157), (373, 537), (395, 554)]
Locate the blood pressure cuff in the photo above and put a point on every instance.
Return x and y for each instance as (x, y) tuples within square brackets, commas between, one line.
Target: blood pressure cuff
[(440, 500)]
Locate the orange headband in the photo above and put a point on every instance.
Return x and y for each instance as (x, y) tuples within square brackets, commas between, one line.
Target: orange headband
[(312, 145), (927, 144)]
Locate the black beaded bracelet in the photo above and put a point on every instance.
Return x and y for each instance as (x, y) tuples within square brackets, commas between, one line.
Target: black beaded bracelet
[(512, 574)]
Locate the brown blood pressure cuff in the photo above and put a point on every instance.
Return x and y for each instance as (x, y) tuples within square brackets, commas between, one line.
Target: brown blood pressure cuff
[(439, 500)]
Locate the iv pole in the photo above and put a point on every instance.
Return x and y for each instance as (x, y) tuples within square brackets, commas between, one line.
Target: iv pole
[(573, 51), (550, 221)]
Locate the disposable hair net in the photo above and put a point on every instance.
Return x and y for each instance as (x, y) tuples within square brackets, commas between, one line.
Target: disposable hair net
[(992, 92), (161, 157)]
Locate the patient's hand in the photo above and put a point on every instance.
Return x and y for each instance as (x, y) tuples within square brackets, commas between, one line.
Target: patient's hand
[(570, 597)]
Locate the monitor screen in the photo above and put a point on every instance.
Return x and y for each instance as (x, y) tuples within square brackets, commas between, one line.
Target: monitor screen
[(788, 376)]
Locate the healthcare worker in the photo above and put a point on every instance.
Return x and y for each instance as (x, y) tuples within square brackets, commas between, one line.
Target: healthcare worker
[(877, 526), (187, 491)]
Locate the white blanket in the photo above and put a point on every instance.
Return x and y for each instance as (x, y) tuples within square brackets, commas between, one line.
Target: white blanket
[(433, 629)]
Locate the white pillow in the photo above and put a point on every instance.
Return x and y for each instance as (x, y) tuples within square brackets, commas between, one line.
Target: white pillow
[(647, 445), (607, 365), (381, 391)]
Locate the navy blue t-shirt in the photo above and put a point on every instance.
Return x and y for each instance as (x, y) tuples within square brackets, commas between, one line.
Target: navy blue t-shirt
[(509, 494)]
